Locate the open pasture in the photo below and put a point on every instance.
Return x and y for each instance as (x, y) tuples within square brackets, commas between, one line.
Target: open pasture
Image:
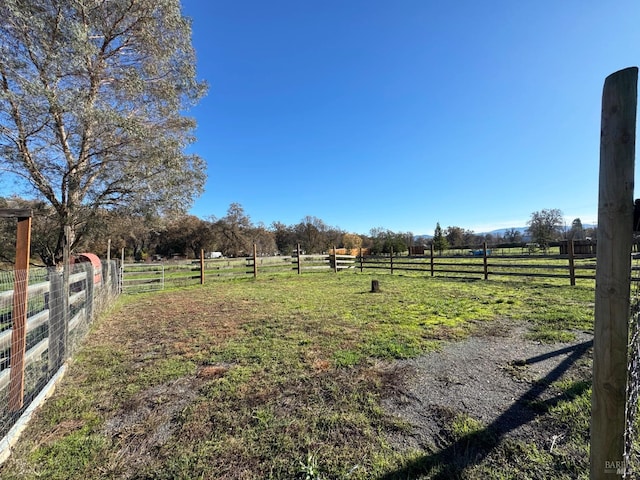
[(284, 377)]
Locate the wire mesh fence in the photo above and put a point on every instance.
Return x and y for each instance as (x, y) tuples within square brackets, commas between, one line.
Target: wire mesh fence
[(632, 428), (632, 406), (37, 336)]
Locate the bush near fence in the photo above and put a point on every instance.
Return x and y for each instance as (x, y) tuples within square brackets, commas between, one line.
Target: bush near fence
[(58, 318)]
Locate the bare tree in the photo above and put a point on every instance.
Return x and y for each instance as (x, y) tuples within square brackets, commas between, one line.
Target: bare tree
[(91, 100), (185, 235), (265, 240), (545, 226), (233, 232), (512, 235), (312, 233), (284, 237)]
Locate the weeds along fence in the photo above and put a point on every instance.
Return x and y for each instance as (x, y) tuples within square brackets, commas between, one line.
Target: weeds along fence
[(60, 308), (481, 263)]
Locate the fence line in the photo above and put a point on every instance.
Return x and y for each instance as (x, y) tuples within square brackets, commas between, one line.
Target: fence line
[(475, 263), (58, 315), (138, 277), (485, 265), (142, 277)]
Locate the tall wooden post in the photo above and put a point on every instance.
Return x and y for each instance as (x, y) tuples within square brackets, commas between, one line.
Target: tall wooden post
[(391, 255), (572, 263), (361, 261), (431, 256), (66, 272), (107, 281), (122, 270), (66, 291), (57, 319), (299, 262), (255, 261), (485, 261), (202, 266), (335, 260), (90, 290), (613, 272), (19, 313)]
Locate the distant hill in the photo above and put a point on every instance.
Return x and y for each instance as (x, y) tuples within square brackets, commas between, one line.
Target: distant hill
[(419, 238), (523, 230), (501, 231)]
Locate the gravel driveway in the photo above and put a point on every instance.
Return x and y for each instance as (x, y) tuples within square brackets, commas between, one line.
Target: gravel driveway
[(492, 377)]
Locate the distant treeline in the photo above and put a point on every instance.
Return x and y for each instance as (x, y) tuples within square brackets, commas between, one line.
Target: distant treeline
[(180, 235)]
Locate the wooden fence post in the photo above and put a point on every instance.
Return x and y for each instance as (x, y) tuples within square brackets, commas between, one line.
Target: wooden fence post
[(431, 252), (202, 266), (572, 264), (122, 271), (57, 319), (66, 272), (485, 261), (255, 261), (90, 291), (361, 261), (19, 313), (108, 274), (298, 252), (613, 268), (391, 260), (335, 260)]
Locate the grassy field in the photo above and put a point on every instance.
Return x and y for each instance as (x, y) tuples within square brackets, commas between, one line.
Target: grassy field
[(281, 377)]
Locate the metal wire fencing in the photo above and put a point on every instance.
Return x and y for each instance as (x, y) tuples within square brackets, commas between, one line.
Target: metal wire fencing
[(37, 336), (632, 418)]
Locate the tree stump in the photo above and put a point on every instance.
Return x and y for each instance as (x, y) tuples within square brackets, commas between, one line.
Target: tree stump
[(375, 286)]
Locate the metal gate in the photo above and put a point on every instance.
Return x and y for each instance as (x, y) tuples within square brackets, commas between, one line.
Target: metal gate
[(142, 277)]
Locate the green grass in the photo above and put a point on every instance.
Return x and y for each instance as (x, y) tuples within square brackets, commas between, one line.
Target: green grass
[(281, 377)]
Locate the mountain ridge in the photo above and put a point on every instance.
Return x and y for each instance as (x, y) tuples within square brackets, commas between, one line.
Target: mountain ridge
[(502, 231)]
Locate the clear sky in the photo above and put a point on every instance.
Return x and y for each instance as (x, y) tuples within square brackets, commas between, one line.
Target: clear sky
[(403, 113)]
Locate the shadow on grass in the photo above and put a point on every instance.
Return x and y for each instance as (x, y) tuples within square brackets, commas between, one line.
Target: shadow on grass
[(450, 462)]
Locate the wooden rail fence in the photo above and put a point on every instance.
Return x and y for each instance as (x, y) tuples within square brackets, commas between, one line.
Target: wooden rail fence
[(144, 276), (479, 263)]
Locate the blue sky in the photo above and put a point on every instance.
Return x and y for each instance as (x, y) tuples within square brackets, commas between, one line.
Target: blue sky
[(400, 114)]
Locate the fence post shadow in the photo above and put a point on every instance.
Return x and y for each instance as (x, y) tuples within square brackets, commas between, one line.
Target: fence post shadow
[(493, 433)]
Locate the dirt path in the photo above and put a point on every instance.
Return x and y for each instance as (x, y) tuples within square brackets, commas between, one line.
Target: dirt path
[(492, 377)]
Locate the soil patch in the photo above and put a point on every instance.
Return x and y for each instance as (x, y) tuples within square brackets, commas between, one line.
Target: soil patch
[(146, 422), (497, 377)]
